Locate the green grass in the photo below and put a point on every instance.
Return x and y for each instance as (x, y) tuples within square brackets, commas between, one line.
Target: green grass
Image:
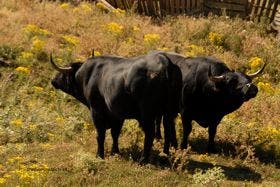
[(47, 137)]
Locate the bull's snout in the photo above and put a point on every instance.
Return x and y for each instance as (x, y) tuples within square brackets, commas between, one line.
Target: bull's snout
[(250, 91)]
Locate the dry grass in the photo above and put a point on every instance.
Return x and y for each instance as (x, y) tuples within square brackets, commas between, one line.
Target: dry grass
[(46, 137)]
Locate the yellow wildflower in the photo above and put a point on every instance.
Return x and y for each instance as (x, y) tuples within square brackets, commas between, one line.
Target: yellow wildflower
[(86, 7), (151, 38), (7, 176), (135, 28), (163, 49), (45, 145), (59, 120), (215, 38), (87, 126), (37, 44), (31, 29), (2, 180), (266, 87), (118, 11), (97, 53), (23, 70), (255, 62), (51, 136), (64, 5), (28, 56), (114, 28), (38, 88), (194, 50), (17, 122), (32, 127), (52, 93), (71, 40)]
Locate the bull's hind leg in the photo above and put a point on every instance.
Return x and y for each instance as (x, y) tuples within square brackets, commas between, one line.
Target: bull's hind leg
[(99, 123), (169, 132), (149, 130), (100, 141), (115, 132), (157, 123), (187, 129)]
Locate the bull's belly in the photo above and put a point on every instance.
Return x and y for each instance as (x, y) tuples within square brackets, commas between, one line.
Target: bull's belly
[(125, 108)]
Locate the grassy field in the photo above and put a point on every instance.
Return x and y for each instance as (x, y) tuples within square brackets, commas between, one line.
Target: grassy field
[(47, 137)]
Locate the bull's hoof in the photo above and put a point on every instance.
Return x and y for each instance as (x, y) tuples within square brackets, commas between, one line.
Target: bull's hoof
[(184, 145), (166, 150), (174, 144), (143, 161), (115, 150)]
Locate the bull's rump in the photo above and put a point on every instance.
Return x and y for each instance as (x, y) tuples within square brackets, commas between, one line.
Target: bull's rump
[(127, 85)]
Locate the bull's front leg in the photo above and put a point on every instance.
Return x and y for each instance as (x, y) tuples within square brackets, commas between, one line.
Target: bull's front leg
[(212, 129)]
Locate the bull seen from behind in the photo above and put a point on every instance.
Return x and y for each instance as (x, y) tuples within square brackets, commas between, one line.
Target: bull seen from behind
[(210, 91), (116, 88)]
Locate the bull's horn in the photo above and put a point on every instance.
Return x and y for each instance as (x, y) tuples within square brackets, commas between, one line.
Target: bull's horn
[(218, 78), (62, 70), (254, 75)]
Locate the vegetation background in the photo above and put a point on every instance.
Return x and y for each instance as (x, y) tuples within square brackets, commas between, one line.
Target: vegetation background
[(47, 137)]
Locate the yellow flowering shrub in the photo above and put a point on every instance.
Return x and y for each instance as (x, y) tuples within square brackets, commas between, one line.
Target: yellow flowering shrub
[(255, 62), (118, 12), (216, 38), (114, 28), (265, 87), (86, 7), (33, 30), (97, 53), (267, 133), (17, 122), (151, 38), (2, 180), (23, 70), (70, 40), (38, 89), (64, 5), (37, 44), (26, 56), (194, 50)]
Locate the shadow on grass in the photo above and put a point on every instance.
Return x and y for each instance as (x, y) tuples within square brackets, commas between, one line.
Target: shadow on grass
[(239, 173), (264, 155)]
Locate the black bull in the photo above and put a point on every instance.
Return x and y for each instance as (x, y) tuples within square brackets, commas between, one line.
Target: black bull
[(210, 91), (116, 88)]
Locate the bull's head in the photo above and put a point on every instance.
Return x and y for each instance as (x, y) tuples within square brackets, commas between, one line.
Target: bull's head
[(236, 84), (65, 79)]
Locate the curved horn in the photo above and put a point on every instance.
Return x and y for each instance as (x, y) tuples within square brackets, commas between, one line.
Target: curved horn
[(61, 70), (218, 78), (254, 75)]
